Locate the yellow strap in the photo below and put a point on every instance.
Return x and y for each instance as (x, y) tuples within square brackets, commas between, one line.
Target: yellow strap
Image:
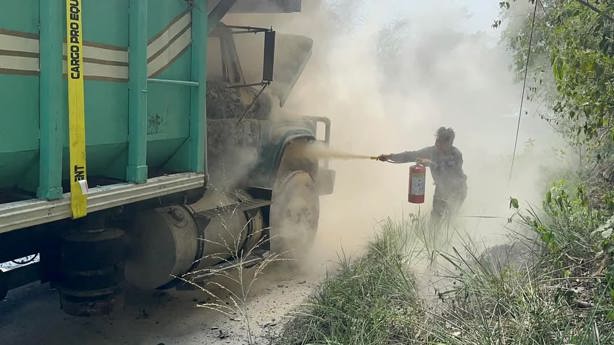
[(76, 112)]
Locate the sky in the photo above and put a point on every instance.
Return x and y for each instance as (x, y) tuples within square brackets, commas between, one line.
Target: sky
[(478, 14), (481, 14)]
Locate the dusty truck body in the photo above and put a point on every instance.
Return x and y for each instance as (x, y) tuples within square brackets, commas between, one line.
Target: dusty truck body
[(184, 175)]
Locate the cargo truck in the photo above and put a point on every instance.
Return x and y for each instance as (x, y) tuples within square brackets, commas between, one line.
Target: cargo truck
[(159, 169)]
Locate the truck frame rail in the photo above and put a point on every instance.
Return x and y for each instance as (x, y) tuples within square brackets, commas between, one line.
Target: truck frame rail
[(27, 213)]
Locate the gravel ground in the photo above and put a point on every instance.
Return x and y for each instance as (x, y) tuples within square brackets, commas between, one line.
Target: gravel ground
[(31, 315)]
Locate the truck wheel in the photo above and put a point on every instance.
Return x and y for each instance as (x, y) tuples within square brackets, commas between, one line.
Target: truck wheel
[(91, 268), (295, 210)]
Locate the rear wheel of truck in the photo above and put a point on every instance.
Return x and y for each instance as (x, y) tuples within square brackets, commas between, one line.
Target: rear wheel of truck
[(91, 267), (295, 210)]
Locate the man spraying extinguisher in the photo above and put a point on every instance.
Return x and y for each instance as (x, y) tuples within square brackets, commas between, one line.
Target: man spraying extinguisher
[(446, 164)]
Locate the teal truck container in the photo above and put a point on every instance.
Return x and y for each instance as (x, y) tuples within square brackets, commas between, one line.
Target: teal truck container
[(187, 170)]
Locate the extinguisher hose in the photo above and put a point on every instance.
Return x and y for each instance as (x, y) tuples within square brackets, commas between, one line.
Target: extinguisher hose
[(386, 160)]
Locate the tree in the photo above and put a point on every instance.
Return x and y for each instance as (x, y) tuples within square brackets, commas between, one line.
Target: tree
[(572, 65)]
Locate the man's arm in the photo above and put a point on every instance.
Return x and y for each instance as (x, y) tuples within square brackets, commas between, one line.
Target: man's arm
[(408, 156)]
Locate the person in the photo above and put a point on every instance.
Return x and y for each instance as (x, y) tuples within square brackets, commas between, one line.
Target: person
[(446, 164)]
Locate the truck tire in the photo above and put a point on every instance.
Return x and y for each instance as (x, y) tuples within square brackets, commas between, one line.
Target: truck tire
[(295, 210), (91, 269)]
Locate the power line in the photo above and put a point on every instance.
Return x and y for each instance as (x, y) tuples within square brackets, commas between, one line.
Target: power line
[(526, 71), (524, 87), (541, 4)]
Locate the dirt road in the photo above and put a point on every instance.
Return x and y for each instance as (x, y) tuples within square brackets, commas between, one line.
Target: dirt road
[(31, 316)]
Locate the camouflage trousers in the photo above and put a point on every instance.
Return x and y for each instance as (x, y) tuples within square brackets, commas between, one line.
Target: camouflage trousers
[(446, 203)]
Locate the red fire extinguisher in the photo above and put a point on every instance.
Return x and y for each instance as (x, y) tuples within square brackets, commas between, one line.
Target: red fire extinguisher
[(417, 182)]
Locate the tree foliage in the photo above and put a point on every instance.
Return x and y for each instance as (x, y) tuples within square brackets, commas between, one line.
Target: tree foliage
[(572, 63)]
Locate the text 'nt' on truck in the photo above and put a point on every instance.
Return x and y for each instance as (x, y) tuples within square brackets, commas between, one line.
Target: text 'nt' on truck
[(186, 169)]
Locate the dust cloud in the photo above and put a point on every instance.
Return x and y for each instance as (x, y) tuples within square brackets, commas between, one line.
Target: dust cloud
[(388, 74)]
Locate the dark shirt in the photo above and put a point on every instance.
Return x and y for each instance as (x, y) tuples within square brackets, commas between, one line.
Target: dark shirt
[(446, 168)]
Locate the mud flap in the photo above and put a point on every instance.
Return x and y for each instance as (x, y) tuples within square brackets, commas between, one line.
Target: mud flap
[(4, 288)]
